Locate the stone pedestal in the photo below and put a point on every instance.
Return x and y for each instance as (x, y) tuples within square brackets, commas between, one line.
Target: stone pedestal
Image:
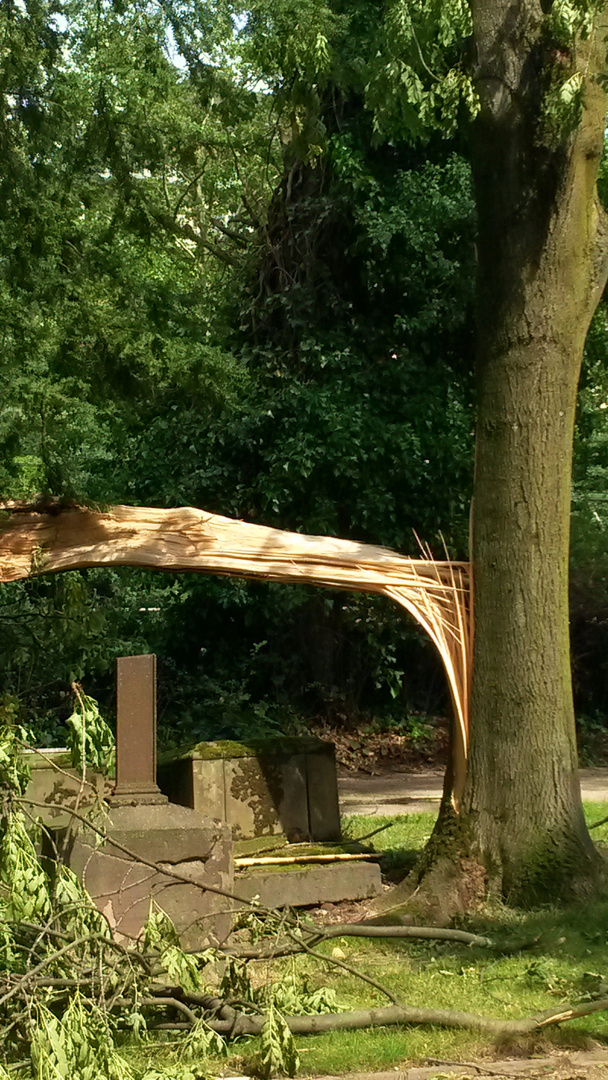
[(263, 787), (180, 840)]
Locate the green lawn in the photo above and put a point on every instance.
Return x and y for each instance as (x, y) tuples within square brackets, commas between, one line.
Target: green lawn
[(567, 964)]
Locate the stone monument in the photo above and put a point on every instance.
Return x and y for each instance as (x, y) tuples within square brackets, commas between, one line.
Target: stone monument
[(144, 828)]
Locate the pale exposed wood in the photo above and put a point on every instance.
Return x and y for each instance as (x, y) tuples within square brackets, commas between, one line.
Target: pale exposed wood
[(36, 541), (291, 860)]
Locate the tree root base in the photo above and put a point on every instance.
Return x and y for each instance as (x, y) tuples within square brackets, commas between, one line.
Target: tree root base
[(449, 888)]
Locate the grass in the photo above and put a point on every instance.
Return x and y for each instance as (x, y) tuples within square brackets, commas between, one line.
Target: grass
[(568, 964)]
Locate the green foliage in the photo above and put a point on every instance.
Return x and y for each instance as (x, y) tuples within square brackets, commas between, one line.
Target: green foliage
[(110, 156), (14, 770), (75, 1000), (90, 740), (278, 1052), (564, 105), (567, 18), (24, 888), (182, 969), (292, 999), (78, 1045), (589, 544), (420, 81), (236, 981), (231, 279), (202, 1043)]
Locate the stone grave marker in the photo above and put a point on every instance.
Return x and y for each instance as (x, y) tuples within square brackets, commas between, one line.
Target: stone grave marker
[(177, 839), (136, 731)]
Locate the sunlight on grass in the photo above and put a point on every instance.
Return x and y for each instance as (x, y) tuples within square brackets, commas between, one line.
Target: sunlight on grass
[(566, 964)]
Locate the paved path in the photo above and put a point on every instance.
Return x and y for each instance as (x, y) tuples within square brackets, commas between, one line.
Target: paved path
[(412, 792), (564, 1065)]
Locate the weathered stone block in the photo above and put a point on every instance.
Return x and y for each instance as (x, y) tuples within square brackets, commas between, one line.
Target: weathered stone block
[(314, 884), (182, 841), (323, 806), (57, 787), (264, 787), (267, 794)]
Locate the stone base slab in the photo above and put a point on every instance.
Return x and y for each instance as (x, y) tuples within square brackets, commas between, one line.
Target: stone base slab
[(309, 885), (56, 788)]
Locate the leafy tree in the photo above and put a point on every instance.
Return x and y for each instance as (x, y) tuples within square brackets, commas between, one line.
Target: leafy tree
[(278, 428), (527, 81)]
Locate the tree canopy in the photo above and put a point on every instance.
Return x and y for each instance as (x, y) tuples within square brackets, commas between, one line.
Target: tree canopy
[(238, 271)]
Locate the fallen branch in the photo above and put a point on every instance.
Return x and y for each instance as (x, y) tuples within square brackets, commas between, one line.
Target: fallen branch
[(424, 933), (336, 962), (48, 538), (391, 1015), (428, 933)]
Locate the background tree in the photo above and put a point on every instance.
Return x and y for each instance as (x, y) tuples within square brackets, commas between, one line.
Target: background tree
[(206, 380), (190, 337)]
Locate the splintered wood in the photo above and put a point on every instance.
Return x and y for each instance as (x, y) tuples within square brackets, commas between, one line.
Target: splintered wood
[(34, 541)]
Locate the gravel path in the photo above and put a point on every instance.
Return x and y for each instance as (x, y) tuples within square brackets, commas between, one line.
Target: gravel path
[(411, 792)]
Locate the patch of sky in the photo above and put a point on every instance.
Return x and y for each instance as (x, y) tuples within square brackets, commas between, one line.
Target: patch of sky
[(59, 22), (172, 51)]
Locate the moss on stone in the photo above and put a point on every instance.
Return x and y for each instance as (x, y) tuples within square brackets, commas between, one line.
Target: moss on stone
[(36, 761), (260, 845), (227, 748)]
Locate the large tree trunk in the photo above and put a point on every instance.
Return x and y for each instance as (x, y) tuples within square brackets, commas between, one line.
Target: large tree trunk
[(542, 266)]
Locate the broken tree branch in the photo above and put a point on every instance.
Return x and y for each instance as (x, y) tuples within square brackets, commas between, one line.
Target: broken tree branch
[(233, 1023), (425, 933), (47, 539)]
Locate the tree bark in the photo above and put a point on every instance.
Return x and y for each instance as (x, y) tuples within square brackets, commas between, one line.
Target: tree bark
[(541, 269)]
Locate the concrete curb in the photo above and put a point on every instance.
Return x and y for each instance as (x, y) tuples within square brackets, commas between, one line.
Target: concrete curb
[(402, 792)]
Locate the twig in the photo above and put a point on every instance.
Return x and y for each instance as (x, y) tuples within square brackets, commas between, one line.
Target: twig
[(64, 772), (161, 868), (25, 979), (168, 1002), (481, 1069), (368, 836), (352, 971)]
